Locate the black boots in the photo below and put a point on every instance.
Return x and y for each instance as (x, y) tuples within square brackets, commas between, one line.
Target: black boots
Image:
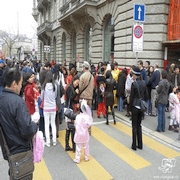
[(72, 139), (67, 147), (114, 118), (107, 121)]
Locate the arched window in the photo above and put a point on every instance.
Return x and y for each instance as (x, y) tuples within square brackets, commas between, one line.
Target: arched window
[(64, 46), (109, 39), (88, 43), (74, 45)]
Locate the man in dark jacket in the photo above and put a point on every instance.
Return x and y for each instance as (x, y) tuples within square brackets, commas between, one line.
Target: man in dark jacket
[(175, 78), (153, 82), (15, 120), (135, 109)]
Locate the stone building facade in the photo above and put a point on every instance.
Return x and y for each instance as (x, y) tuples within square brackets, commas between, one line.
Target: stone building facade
[(101, 30)]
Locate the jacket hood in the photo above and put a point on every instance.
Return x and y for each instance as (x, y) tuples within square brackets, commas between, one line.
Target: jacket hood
[(49, 86)]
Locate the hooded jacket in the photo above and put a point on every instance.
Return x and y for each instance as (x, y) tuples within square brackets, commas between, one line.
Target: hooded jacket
[(49, 96)]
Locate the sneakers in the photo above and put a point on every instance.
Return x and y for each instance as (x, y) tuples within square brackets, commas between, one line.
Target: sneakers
[(47, 144), (86, 160), (76, 161)]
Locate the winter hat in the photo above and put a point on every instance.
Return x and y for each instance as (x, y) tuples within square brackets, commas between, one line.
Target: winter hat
[(136, 70), (86, 65)]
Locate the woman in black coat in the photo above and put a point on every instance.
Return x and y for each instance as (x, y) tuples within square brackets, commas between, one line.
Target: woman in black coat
[(71, 92), (109, 96), (121, 89)]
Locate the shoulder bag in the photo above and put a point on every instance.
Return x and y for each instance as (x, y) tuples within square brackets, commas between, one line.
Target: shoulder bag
[(21, 164), (69, 113), (143, 104)]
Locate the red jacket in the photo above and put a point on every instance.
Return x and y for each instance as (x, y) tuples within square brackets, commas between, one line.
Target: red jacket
[(29, 98)]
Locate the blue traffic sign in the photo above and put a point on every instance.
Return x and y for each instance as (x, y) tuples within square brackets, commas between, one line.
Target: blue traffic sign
[(139, 12)]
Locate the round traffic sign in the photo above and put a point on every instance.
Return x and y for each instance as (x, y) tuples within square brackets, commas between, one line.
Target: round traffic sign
[(138, 31)]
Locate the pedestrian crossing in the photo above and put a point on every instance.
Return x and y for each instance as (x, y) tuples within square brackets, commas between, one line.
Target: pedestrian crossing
[(101, 139)]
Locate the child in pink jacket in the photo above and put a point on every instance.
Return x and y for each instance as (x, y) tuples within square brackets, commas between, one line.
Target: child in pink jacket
[(82, 123)]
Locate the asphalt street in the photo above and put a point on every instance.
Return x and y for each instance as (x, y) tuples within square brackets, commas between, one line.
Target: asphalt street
[(111, 156)]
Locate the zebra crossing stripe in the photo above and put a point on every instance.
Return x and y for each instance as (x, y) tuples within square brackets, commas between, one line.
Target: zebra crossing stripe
[(130, 157), (91, 169), (41, 171), (150, 142)]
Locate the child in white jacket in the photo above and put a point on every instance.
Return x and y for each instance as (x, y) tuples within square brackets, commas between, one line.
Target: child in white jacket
[(174, 106), (82, 123)]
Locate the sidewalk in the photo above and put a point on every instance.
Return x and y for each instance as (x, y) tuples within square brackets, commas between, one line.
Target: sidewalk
[(149, 124)]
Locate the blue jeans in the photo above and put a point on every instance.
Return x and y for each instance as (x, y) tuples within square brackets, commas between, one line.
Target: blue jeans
[(149, 106), (161, 117), (62, 111), (120, 104)]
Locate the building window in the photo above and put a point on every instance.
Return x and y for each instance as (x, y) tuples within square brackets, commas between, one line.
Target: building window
[(88, 43), (109, 40), (64, 46), (74, 46), (54, 10)]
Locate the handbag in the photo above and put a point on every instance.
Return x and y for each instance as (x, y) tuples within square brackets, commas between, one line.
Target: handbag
[(71, 125), (156, 103), (143, 104), (38, 146), (21, 164), (70, 114)]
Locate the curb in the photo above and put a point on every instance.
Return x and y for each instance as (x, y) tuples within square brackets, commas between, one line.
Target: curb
[(158, 136)]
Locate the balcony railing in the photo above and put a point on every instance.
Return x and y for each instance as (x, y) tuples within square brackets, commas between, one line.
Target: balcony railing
[(73, 5), (35, 13), (44, 28)]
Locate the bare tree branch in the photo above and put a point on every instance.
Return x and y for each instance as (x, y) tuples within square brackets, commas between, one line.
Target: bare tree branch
[(9, 39)]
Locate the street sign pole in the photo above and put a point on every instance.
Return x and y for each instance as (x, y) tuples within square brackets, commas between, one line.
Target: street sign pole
[(138, 31), (136, 57)]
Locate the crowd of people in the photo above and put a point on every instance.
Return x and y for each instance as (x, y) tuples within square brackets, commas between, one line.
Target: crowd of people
[(50, 88), (109, 86)]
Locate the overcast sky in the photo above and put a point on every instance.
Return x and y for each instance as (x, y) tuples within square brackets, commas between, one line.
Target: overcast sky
[(11, 10)]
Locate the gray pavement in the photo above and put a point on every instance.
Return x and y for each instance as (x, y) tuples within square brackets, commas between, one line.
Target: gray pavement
[(149, 124)]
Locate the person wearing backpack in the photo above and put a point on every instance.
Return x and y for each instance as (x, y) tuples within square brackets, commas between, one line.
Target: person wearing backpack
[(135, 109)]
